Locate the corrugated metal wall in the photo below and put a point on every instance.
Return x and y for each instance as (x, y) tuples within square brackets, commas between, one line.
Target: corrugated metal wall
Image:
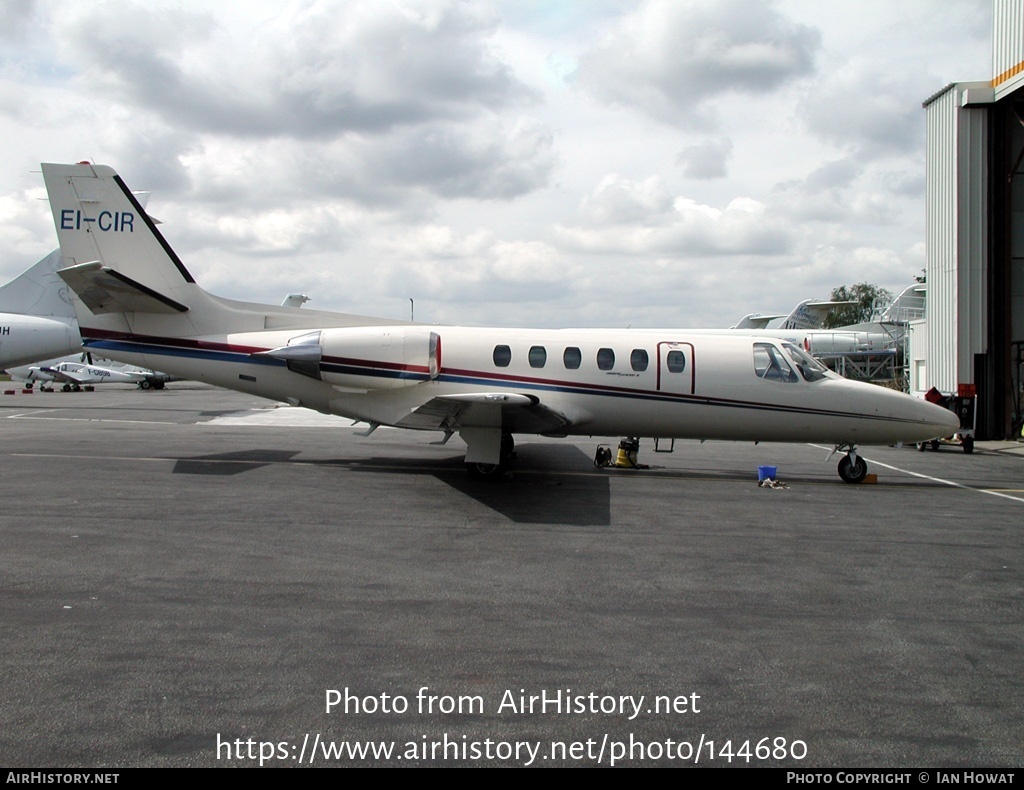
[(956, 235), (1007, 46)]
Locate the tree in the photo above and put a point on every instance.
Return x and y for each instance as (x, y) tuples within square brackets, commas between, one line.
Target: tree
[(864, 294)]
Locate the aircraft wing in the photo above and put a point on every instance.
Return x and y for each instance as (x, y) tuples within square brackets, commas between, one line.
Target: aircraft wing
[(512, 412), (105, 290), (62, 375)]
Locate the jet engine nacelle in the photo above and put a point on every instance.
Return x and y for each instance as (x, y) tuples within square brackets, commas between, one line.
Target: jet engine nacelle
[(366, 357), (820, 343)]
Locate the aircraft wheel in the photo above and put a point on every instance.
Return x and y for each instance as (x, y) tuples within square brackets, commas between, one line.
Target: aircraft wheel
[(936, 444), (968, 444), (495, 471), (144, 385), (485, 471), (921, 446), (158, 385), (852, 472), (66, 388)]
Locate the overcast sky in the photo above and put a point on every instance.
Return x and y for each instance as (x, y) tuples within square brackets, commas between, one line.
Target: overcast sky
[(517, 163)]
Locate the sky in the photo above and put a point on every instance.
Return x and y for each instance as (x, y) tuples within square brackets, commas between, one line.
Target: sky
[(655, 163)]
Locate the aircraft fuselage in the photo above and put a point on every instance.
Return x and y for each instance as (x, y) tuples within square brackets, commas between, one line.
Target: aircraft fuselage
[(603, 382)]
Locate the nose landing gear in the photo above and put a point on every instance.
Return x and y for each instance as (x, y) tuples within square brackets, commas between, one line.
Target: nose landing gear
[(852, 468)]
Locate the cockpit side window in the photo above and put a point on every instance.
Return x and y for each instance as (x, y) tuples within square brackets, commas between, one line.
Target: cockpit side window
[(771, 364)]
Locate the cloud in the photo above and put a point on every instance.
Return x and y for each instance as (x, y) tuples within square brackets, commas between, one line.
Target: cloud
[(869, 110), (627, 217), (705, 160), (314, 71), (668, 59), (16, 21)]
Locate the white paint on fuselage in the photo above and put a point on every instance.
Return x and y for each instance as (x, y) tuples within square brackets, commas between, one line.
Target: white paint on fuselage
[(718, 395)]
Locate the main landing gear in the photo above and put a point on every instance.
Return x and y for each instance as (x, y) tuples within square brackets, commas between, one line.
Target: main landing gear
[(852, 468), (498, 470)]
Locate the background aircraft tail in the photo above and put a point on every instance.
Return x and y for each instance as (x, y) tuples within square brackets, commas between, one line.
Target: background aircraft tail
[(38, 291)]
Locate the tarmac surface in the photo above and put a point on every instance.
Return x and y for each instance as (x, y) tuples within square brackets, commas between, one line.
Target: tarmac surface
[(189, 577)]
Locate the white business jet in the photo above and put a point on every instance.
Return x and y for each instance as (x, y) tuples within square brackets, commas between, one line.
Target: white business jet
[(38, 317), (137, 302)]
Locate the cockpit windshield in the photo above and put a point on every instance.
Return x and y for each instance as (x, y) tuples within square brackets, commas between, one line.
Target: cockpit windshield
[(810, 368)]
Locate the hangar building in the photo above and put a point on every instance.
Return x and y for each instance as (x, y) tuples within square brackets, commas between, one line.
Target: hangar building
[(972, 340)]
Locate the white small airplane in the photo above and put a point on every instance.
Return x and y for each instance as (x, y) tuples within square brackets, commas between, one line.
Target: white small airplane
[(137, 302), (75, 374)]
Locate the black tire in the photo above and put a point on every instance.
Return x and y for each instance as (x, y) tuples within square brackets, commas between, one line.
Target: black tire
[(486, 471), (968, 443), (936, 444), (851, 472), (921, 447), (495, 471), (144, 384)]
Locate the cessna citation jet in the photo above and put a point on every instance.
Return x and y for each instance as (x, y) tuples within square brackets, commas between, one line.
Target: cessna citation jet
[(137, 302)]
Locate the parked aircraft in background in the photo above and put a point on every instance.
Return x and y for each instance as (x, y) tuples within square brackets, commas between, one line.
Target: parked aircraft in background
[(37, 317), (809, 314), (803, 326), (136, 301), (73, 374), (295, 300)]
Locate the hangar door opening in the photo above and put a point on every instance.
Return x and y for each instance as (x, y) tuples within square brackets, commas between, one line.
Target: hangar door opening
[(1006, 286)]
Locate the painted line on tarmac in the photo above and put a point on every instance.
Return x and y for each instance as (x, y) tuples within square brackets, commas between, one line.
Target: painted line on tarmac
[(93, 419), (952, 483)]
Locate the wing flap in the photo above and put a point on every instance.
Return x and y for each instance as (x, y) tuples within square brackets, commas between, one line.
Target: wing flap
[(510, 411)]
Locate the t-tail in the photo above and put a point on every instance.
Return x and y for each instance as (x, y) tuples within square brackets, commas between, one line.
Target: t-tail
[(129, 280)]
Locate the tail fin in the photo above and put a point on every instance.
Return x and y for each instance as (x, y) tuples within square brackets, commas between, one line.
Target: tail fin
[(98, 219), (123, 271), (38, 291)]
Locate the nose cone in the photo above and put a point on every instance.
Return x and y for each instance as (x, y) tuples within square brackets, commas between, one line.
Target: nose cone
[(931, 421)]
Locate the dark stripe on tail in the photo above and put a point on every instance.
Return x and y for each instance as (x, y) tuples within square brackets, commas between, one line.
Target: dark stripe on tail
[(152, 227)]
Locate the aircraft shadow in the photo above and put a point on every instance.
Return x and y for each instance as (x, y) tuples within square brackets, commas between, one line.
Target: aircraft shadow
[(233, 463), (545, 487), (538, 492)]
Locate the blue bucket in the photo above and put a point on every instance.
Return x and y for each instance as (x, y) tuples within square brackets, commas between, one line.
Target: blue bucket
[(766, 473)]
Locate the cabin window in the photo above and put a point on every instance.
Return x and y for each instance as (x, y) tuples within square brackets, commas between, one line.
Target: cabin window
[(638, 359), (605, 358), (572, 358), (675, 361), (502, 356), (771, 364), (538, 356)]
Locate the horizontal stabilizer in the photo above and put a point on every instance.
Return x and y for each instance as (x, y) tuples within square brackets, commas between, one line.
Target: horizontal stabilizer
[(104, 290)]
